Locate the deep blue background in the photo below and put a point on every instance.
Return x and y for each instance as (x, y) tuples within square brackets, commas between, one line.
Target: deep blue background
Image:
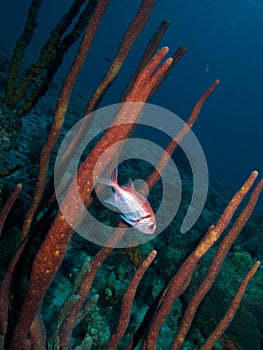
[(224, 40)]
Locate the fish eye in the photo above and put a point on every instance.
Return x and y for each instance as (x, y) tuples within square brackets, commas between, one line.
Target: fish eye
[(151, 226)]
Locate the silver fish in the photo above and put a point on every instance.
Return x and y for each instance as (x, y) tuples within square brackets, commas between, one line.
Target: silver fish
[(135, 208)]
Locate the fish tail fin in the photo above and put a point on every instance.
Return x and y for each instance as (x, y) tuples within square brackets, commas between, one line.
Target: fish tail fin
[(113, 181), (114, 176)]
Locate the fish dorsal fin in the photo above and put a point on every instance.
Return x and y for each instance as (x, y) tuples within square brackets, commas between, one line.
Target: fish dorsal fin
[(141, 186), (137, 186), (144, 188), (129, 184)]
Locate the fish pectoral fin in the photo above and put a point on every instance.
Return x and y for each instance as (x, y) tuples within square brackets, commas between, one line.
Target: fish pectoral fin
[(133, 220), (129, 221)]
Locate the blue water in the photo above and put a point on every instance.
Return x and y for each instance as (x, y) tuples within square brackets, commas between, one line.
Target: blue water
[(224, 40)]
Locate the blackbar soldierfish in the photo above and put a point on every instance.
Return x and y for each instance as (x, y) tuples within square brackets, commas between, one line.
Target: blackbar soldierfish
[(135, 209)]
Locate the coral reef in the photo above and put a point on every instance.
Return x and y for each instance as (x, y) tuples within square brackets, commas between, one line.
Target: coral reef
[(10, 127), (34, 83), (59, 291)]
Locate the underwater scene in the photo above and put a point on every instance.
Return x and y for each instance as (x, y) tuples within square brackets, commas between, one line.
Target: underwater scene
[(131, 170)]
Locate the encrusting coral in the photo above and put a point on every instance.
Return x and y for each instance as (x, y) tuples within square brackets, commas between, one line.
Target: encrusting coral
[(21, 323)]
